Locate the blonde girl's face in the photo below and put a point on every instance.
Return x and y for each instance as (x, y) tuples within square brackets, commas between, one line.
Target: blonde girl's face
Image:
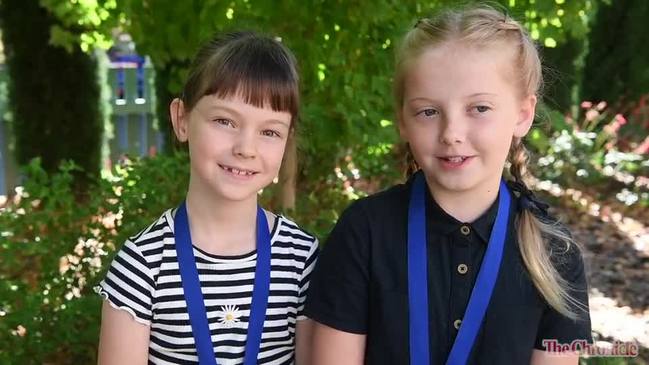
[(235, 148), (461, 108)]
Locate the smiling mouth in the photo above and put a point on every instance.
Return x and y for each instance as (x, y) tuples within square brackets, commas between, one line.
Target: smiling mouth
[(455, 159), (236, 171)]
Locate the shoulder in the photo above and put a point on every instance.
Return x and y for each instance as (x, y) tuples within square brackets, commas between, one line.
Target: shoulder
[(289, 234), (149, 242), (132, 276), (392, 196), (288, 228), (375, 220), (379, 206)]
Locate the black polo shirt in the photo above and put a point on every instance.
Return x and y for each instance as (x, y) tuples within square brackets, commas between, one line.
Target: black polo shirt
[(360, 284)]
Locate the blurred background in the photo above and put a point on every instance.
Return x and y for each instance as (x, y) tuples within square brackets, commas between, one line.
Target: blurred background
[(87, 158)]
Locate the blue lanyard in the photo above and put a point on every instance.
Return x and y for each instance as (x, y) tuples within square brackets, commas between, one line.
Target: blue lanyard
[(194, 296), (418, 279)]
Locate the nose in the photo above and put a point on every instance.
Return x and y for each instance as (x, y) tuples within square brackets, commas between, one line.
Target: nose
[(452, 130), (244, 146)]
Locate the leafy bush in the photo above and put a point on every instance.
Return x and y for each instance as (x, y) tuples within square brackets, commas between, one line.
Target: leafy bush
[(55, 248), (589, 153)]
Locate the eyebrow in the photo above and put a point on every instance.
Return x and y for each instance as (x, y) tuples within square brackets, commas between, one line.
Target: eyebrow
[(277, 121), (225, 108), (481, 94), (421, 98)]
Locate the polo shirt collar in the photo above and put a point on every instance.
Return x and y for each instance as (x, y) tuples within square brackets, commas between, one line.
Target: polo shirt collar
[(442, 223)]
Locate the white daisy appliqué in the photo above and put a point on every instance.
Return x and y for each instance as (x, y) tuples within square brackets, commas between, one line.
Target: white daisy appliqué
[(229, 315)]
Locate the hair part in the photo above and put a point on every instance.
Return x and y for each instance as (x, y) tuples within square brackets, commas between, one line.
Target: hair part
[(255, 67), (482, 26)]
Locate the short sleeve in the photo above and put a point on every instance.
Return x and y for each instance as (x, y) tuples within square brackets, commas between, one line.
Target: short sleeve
[(338, 296), (554, 325), (129, 284), (305, 280)]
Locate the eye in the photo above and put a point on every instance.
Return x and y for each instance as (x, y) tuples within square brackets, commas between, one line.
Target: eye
[(481, 108), (270, 133), (428, 112), (224, 122)]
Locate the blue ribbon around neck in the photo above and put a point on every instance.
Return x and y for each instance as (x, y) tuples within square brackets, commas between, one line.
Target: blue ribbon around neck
[(194, 296), (418, 279)]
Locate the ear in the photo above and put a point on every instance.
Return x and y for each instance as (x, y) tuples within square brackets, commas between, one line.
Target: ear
[(525, 116), (179, 119)]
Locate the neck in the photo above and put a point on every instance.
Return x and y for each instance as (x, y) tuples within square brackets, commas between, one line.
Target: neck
[(454, 203), (220, 226)]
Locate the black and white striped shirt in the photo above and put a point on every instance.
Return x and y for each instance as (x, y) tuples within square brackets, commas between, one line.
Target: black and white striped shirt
[(144, 280)]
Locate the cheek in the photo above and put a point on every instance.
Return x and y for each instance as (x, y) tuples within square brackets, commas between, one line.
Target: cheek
[(490, 132), (424, 136), (493, 142), (207, 142), (273, 152)]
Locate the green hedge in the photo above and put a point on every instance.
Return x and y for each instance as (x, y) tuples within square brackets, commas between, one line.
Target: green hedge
[(54, 250), (53, 93)]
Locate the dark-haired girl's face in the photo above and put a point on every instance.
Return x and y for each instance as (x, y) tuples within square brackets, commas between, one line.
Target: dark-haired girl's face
[(235, 148)]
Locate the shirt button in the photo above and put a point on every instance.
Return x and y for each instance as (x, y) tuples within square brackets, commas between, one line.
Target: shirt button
[(457, 324), (462, 269), (465, 230)]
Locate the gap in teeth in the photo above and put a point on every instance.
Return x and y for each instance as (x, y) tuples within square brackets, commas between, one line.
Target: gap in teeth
[(238, 172)]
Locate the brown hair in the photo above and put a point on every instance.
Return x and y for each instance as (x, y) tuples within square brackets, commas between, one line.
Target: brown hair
[(263, 72), (483, 26), (258, 68)]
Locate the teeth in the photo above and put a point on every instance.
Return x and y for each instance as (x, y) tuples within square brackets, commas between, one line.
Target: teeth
[(456, 159), (237, 171)]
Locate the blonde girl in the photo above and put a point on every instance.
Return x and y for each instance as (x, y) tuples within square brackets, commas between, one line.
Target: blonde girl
[(458, 265)]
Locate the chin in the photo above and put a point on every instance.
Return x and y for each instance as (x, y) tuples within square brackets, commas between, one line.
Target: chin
[(239, 196), (454, 183), (236, 192)]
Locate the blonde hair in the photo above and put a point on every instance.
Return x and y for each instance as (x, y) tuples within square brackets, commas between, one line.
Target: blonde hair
[(482, 26)]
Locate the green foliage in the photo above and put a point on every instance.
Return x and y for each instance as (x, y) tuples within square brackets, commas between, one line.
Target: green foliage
[(54, 249), (618, 70), (53, 94), (561, 29), (562, 78), (551, 23), (588, 153), (84, 24)]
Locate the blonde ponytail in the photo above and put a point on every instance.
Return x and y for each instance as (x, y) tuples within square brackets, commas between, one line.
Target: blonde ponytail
[(534, 237)]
